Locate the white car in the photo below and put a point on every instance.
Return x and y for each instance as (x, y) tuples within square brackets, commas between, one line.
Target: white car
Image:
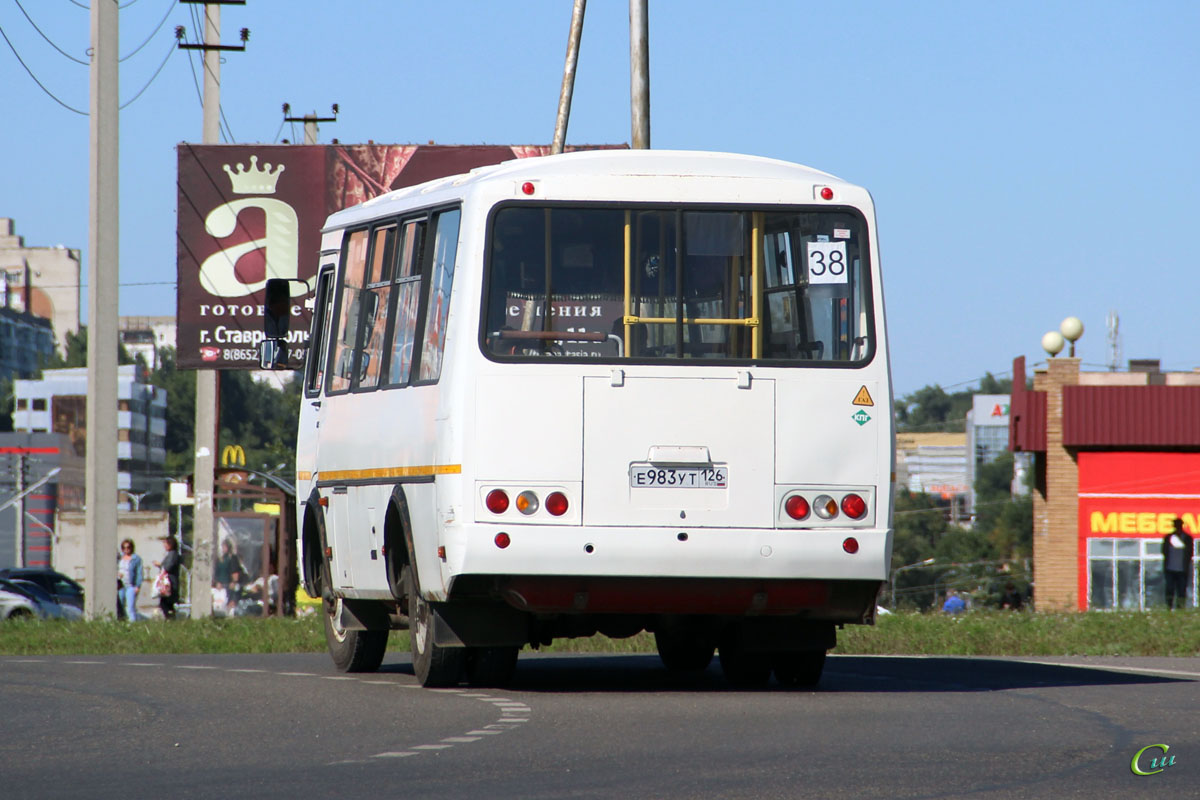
[(25, 599), (15, 604)]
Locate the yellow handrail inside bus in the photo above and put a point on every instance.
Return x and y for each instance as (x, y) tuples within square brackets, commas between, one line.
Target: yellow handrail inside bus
[(628, 279), (753, 321)]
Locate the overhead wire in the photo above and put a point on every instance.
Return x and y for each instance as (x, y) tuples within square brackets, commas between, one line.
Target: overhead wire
[(49, 41), (167, 57), (157, 28), (41, 85)]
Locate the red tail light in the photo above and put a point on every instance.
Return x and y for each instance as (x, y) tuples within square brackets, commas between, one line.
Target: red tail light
[(854, 506), (850, 545), (796, 507), (556, 504), (502, 540), (497, 501)]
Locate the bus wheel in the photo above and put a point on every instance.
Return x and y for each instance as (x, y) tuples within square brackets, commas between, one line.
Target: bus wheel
[(433, 664), (352, 651), (491, 666), (799, 668), (742, 669), (681, 652)]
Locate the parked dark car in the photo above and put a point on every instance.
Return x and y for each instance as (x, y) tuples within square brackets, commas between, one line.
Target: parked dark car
[(19, 598), (65, 591)]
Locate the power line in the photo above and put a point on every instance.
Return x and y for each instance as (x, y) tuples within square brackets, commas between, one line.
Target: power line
[(157, 28), (42, 86), (47, 38), (130, 101)]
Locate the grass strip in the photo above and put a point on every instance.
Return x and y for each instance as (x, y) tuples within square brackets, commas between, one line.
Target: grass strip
[(979, 633)]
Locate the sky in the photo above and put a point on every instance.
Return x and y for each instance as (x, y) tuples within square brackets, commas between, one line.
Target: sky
[(1029, 160)]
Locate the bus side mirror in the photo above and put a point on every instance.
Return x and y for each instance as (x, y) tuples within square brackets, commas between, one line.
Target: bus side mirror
[(277, 314)]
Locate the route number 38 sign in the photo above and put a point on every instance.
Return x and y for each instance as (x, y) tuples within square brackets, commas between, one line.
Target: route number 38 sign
[(826, 262)]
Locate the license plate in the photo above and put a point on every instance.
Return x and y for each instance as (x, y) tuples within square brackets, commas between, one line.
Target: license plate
[(646, 476)]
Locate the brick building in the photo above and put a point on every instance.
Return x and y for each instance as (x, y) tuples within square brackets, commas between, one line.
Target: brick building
[(1117, 460)]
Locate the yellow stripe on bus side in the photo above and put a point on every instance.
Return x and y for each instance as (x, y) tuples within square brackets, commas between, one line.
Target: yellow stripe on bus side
[(390, 472)]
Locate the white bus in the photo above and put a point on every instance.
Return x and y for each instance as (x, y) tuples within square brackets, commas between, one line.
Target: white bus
[(603, 392)]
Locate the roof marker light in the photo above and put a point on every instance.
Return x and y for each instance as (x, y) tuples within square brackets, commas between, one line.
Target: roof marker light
[(527, 187), (826, 193)]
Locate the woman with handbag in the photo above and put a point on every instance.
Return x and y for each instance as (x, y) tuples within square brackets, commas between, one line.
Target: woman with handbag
[(167, 583)]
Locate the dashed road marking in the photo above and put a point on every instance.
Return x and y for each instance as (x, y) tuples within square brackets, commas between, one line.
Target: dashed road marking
[(509, 708)]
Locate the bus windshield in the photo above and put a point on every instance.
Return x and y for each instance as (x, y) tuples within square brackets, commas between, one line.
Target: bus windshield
[(670, 283)]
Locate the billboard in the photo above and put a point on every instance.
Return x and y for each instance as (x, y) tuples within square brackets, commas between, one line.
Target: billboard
[(247, 213)]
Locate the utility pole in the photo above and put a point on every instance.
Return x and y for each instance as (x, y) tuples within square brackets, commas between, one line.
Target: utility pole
[(310, 121), (639, 72), (568, 82), (208, 381), (100, 558), (21, 509), (20, 529)]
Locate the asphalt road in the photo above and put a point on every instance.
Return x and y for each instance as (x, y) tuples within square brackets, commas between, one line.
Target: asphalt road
[(594, 726)]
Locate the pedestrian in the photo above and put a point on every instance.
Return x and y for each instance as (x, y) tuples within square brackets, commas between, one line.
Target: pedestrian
[(1177, 551), (1012, 598), (129, 577), (954, 604), (168, 594)]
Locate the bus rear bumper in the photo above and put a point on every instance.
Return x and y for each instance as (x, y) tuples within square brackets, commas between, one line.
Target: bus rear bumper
[(827, 554)]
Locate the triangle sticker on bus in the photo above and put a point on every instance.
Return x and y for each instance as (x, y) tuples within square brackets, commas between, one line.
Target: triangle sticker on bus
[(863, 398)]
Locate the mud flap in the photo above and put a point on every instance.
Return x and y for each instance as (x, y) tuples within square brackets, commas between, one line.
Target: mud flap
[(363, 615), (469, 624)]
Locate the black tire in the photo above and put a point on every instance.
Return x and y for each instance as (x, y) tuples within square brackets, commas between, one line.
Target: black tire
[(353, 651), (800, 668), (434, 665), (683, 651), (21, 613), (491, 667), (744, 670)]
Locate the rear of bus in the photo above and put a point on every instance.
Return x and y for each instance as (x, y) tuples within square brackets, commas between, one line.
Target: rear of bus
[(694, 435)]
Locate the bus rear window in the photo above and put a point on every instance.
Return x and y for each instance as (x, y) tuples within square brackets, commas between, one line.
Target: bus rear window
[(678, 284)]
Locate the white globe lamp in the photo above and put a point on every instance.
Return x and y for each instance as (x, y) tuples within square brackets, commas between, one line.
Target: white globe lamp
[(1071, 329), (1053, 343)]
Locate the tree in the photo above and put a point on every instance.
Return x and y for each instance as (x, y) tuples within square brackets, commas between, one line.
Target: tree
[(76, 354)]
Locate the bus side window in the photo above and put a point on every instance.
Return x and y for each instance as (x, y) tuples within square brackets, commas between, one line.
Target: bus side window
[(408, 298), (375, 307), (318, 350), (437, 307), (354, 271)]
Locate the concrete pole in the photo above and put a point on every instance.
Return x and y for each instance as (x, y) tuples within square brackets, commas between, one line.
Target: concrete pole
[(568, 82), (310, 128), (20, 526), (207, 380), (100, 559), (639, 72)]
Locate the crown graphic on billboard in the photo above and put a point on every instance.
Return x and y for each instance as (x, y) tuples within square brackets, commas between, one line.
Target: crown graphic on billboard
[(253, 180)]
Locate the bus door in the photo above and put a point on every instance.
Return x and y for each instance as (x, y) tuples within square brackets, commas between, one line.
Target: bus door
[(313, 408)]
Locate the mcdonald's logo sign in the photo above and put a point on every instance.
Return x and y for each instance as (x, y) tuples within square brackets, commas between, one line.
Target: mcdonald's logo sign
[(233, 455)]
